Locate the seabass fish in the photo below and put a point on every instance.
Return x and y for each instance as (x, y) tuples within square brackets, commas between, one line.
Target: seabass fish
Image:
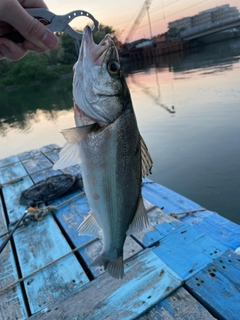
[(107, 144)]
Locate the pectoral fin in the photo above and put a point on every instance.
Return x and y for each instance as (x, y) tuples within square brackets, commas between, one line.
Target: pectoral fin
[(140, 220), (90, 227), (68, 156), (147, 162), (74, 135)]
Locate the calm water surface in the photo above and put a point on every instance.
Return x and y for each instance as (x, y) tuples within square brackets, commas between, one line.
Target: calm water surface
[(196, 150)]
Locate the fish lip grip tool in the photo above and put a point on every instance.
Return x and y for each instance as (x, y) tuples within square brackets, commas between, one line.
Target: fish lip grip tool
[(55, 23)]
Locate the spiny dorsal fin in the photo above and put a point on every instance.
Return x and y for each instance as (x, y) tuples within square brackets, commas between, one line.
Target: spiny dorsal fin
[(90, 227), (74, 135), (140, 220), (68, 156), (147, 162)]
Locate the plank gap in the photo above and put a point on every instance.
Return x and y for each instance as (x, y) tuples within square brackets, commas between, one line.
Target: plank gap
[(200, 301), (72, 246), (19, 273), (4, 208)]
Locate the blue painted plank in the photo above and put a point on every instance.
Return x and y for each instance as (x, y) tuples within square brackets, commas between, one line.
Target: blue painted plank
[(217, 286), (28, 154), (12, 304), (179, 305), (161, 224), (11, 173), (12, 194), (74, 170), (164, 197), (8, 161), (186, 251), (222, 230), (53, 156), (44, 174), (37, 163), (70, 216), (152, 281), (148, 279), (49, 148), (91, 251), (37, 245)]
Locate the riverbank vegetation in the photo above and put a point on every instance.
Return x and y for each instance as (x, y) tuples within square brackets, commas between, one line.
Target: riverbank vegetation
[(53, 65)]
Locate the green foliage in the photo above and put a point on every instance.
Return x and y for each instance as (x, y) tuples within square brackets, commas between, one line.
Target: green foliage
[(49, 66)]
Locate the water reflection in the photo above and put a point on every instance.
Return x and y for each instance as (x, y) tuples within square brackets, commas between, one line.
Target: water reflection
[(19, 109)]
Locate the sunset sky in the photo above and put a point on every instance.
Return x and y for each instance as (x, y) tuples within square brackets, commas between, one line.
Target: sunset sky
[(121, 14)]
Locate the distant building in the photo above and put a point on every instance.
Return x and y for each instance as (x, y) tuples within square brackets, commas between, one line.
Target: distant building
[(205, 19)]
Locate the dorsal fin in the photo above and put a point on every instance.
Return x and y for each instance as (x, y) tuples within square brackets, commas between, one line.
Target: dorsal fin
[(147, 162)]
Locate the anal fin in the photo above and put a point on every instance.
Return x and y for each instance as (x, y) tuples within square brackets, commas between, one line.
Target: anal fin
[(90, 227), (140, 220)]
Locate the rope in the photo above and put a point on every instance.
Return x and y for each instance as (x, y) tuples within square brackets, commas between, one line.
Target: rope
[(44, 267), (36, 214), (181, 215)]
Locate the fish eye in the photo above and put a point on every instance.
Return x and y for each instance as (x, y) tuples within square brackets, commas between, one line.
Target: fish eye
[(113, 68)]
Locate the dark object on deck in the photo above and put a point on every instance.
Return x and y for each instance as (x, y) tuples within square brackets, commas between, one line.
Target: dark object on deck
[(50, 189)]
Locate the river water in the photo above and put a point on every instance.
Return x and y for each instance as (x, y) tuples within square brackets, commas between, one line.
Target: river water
[(196, 149)]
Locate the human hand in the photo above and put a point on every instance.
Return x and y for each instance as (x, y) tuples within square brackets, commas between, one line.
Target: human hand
[(13, 16)]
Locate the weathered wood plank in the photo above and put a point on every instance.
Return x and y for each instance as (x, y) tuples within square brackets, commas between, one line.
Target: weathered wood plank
[(12, 304), (179, 305), (161, 225), (49, 148), (44, 174), (11, 173), (37, 245), (186, 251), (164, 197), (53, 156), (37, 163), (147, 281), (91, 251), (217, 286), (8, 161), (29, 154), (12, 194), (219, 228)]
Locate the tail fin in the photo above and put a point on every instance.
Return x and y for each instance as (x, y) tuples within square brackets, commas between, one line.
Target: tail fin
[(114, 266)]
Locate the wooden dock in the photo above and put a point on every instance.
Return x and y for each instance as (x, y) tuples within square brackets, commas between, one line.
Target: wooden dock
[(183, 267)]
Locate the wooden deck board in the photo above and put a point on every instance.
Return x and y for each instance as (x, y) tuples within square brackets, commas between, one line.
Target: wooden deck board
[(147, 281), (8, 161), (164, 197), (11, 173), (219, 228), (179, 305), (12, 305), (37, 245), (217, 286), (37, 163), (186, 251), (12, 194), (181, 251)]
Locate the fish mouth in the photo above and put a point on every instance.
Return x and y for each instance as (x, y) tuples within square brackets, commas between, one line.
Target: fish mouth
[(95, 51)]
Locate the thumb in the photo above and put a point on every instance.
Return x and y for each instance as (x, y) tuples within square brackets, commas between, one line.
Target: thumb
[(32, 30)]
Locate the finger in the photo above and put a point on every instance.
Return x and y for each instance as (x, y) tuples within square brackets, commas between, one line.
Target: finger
[(32, 30), (10, 50), (33, 4), (31, 47)]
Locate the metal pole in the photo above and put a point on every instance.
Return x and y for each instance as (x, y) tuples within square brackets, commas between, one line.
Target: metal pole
[(149, 22)]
